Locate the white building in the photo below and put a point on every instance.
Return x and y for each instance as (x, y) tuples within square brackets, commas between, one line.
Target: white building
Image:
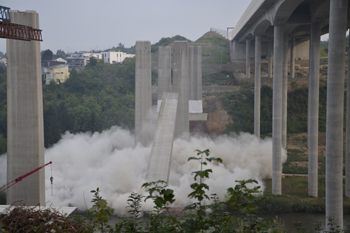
[(115, 57)]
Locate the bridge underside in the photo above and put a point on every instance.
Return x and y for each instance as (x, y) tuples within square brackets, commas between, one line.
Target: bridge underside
[(283, 31)]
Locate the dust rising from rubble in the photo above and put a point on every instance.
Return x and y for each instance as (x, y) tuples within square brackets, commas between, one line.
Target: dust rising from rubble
[(110, 160)]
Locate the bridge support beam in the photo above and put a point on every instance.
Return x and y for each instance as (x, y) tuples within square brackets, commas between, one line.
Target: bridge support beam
[(269, 58), (277, 110), (181, 85), (335, 110), (292, 58), (313, 103), (285, 90), (143, 92), (257, 88), (247, 54), (25, 128), (347, 154)]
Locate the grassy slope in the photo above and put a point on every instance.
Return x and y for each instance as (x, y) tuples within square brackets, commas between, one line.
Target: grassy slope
[(215, 49)]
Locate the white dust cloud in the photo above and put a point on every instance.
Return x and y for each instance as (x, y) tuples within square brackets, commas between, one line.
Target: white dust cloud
[(110, 161)]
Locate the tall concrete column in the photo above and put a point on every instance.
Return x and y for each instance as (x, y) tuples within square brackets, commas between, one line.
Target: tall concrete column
[(335, 110), (257, 87), (347, 153), (181, 86), (269, 58), (143, 92), (164, 70), (25, 129), (277, 110), (292, 58), (247, 65), (193, 78), (285, 90), (198, 68), (313, 103)]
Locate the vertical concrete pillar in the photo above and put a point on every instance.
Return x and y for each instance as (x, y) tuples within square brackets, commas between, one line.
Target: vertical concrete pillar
[(277, 110), (313, 103), (292, 58), (164, 72), (198, 68), (25, 130), (193, 78), (247, 52), (347, 153), (269, 58), (335, 110), (181, 86), (143, 92), (257, 86), (285, 90)]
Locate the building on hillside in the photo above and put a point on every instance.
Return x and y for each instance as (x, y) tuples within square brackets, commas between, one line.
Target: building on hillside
[(80, 59), (60, 60), (112, 57), (78, 63), (58, 73)]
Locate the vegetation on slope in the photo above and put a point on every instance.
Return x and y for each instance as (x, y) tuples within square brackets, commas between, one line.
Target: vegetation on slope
[(215, 49), (240, 106), (165, 41)]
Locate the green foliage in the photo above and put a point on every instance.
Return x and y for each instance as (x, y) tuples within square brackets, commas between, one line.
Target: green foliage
[(324, 52), (240, 106), (100, 211), (60, 53), (97, 98), (46, 55), (197, 217), (221, 78), (92, 62), (165, 41)]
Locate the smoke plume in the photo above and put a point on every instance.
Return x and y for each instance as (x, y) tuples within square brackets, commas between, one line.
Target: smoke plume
[(111, 161)]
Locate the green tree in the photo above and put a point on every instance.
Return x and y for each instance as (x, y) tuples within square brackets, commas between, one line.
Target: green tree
[(93, 61), (47, 55), (60, 53)]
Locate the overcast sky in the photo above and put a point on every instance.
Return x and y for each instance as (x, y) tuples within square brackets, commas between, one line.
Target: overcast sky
[(77, 25)]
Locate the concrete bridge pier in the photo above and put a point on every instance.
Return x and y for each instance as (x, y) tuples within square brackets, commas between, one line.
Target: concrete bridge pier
[(292, 58), (347, 153), (257, 88), (335, 110), (198, 73), (143, 92), (269, 58), (285, 90), (164, 71), (277, 110), (313, 103), (181, 85), (247, 64), (25, 128)]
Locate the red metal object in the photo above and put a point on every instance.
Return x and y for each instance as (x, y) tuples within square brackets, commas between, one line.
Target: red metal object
[(8, 185), (19, 32)]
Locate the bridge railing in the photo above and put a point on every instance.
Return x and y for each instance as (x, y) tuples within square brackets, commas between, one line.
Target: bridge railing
[(248, 13)]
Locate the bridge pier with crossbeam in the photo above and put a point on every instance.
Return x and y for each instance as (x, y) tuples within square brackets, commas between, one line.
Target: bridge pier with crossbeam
[(295, 27)]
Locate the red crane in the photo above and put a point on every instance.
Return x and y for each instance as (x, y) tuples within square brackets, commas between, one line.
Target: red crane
[(8, 185), (16, 31)]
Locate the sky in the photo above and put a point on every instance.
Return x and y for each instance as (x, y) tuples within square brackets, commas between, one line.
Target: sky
[(84, 25)]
